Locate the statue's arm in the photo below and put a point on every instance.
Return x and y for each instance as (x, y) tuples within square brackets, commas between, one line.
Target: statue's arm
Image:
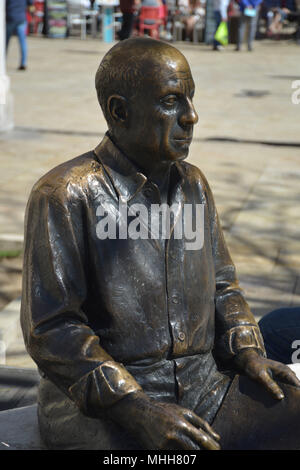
[(236, 327), (56, 330), (238, 337)]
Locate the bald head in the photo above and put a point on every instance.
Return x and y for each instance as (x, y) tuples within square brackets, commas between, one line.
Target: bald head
[(128, 66)]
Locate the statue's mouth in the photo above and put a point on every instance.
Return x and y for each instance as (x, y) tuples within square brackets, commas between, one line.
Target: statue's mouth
[(185, 140)]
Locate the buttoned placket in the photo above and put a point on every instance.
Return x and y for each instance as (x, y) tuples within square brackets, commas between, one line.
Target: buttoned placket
[(148, 193), (174, 255), (174, 262)]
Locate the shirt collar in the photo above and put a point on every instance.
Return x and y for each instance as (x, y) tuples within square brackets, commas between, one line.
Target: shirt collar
[(125, 177)]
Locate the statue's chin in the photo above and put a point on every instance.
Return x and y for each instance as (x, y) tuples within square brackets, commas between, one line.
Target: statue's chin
[(178, 156)]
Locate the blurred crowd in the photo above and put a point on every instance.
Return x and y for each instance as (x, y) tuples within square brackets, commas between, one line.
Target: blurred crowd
[(171, 20)]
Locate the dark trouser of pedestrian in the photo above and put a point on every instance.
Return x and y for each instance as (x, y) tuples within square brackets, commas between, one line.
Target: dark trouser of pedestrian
[(127, 26), (20, 30), (250, 22), (281, 333), (218, 19)]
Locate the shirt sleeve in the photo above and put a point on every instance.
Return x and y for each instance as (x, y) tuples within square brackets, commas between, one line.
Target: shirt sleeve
[(245, 3), (236, 327), (223, 8), (55, 327)]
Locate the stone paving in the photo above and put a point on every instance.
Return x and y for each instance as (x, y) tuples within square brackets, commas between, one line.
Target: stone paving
[(247, 142)]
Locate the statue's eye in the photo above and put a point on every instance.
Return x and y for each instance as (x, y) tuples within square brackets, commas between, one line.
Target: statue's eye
[(170, 100)]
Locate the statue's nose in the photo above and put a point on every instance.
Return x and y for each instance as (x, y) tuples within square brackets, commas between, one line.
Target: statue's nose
[(189, 117)]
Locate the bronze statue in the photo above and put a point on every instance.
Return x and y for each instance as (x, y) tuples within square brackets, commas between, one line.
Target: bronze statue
[(138, 339)]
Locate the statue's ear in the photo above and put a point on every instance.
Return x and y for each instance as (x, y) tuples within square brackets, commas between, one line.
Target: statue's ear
[(118, 108)]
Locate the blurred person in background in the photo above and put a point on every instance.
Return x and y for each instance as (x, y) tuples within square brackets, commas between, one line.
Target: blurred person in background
[(195, 10), (220, 14), (16, 24), (249, 15), (277, 13), (127, 8), (281, 334), (153, 4), (290, 11)]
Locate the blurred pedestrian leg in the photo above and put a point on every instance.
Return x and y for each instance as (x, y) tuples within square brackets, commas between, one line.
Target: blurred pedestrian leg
[(16, 24), (249, 16), (127, 25), (218, 19), (250, 22), (220, 14), (127, 8), (20, 31)]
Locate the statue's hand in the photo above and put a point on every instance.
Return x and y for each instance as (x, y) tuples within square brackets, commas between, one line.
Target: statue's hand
[(262, 370), (166, 426)]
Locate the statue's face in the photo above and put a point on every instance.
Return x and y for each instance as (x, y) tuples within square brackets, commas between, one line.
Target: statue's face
[(163, 115)]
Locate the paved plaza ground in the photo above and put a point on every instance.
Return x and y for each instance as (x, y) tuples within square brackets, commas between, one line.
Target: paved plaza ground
[(247, 142)]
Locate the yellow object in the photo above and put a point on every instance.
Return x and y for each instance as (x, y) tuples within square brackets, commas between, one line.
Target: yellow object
[(222, 33)]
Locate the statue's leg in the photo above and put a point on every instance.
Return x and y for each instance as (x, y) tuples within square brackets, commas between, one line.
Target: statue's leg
[(249, 418), (63, 427), (281, 334)]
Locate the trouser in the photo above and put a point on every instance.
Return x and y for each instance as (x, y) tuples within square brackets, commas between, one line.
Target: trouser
[(20, 31), (251, 419), (248, 418), (281, 333), (218, 19), (250, 22), (127, 25), (63, 427)]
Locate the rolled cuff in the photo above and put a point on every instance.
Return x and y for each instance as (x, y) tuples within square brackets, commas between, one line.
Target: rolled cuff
[(241, 337), (102, 388)]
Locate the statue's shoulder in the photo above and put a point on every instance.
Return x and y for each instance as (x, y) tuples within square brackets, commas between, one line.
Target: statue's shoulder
[(70, 177), (194, 174)]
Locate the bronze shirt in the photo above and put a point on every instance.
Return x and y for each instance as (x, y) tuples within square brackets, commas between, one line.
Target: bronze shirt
[(103, 318)]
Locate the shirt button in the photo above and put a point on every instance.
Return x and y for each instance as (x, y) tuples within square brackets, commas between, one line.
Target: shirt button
[(175, 299), (181, 336)]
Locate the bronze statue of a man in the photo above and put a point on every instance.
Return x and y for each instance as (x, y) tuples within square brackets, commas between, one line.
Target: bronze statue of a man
[(140, 338)]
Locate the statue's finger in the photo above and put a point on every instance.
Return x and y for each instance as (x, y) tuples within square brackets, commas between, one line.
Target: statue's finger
[(266, 380), (201, 423), (202, 438), (209, 429)]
